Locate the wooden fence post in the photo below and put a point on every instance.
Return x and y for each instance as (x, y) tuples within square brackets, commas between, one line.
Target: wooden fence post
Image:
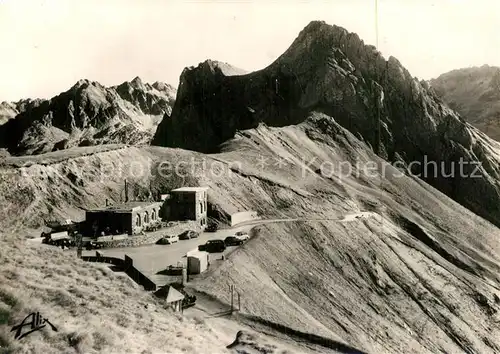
[(231, 289)]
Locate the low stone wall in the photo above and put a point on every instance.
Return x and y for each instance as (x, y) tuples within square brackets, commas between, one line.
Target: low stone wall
[(151, 237), (243, 216)]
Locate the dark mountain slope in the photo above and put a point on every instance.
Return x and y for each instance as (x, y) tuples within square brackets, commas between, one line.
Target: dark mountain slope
[(329, 70)]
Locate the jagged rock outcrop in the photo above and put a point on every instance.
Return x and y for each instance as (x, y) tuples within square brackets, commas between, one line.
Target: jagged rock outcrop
[(329, 70), (475, 94), (87, 114)]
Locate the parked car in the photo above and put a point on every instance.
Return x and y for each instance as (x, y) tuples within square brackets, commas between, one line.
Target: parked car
[(242, 235), (213, 246), (212, 227), (186, 235), (153, 227), (167, 240), (188, 301), (232, 241)]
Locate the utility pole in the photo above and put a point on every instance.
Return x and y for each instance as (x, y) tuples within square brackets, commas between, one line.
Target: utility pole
[(126, 192)]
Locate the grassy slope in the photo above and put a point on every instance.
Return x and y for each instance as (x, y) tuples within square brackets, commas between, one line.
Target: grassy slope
[(94, 309), (420, 277)]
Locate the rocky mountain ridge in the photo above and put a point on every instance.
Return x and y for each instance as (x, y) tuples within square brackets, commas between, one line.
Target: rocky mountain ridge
[(329, 70), (86, 114)]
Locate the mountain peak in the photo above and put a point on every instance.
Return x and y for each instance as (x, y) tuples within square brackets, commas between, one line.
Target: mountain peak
[(81, 82), (136, 81)]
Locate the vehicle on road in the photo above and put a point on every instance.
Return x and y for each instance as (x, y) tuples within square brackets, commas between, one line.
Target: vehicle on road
[(171, 270), (167, 240), (242, 236), (232, 241), (213, 246), (189, 234), (188, 301), (212, 227)]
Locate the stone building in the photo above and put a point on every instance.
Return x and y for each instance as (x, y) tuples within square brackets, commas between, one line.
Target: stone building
[(130, 218)]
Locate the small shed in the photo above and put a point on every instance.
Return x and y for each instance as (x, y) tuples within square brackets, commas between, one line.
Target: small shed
[(174, 299), (197, 262)]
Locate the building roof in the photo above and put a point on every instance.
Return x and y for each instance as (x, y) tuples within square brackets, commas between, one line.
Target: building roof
[(190, 189), (174, 295), (197, 253), (124, 207)]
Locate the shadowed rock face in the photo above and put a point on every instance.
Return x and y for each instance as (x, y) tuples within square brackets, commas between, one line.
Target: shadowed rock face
[(329, 70), (475, 94), (87, 114)]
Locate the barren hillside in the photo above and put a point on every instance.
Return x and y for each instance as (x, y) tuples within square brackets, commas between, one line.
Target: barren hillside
[(87, 114)]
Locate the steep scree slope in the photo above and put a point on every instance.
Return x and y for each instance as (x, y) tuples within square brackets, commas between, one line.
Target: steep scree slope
[(330, 70), (86, 114)]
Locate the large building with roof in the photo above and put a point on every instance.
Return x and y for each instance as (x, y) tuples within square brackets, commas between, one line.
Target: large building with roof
[(130, 218)]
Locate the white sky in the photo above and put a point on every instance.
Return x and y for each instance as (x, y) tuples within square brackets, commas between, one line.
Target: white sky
[(46, 46)]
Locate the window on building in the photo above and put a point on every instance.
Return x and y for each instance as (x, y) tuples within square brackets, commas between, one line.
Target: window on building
[(153, 215), (201, 207), (137, 220), (146, 217)]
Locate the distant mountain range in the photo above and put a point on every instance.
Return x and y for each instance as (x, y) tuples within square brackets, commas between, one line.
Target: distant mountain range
[(87, 114), (475, 94)]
